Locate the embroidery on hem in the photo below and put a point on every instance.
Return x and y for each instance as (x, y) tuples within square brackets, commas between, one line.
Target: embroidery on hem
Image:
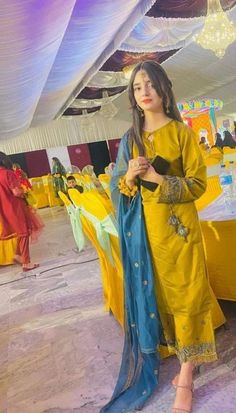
[(197, 353)]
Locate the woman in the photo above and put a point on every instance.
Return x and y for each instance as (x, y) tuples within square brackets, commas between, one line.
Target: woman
[(161, 242), (58, 171), (15, 215), (228, 139), (21, 177), (218, 140)]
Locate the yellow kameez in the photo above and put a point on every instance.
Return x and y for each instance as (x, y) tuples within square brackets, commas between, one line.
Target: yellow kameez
[(182, 288)]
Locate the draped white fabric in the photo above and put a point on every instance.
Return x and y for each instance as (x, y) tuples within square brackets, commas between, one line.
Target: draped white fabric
[(91, 103), (65, 132), (162, 34), (50, 49), (30, 35), (108, 79)]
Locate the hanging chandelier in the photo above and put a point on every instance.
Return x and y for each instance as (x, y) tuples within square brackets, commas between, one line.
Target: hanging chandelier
[(218, 31)]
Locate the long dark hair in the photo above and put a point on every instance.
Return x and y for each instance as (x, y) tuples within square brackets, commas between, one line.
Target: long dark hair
[(163, 87), (5, 161)]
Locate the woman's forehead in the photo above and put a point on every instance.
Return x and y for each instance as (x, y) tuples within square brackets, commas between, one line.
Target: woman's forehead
[(141, 75)]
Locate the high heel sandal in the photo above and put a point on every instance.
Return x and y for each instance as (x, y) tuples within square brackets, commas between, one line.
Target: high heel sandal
[(196, 372), (179, 409)]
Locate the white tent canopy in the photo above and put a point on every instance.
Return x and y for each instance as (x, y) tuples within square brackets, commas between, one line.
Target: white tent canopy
[(51, 50)]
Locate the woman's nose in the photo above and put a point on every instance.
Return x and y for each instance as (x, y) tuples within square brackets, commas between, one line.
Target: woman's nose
[(146, 90)]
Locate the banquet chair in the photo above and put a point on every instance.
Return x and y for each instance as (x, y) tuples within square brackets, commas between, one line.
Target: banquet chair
[(39, 192), (229, 154), (105, 181), (99, 216), (76, 225), (49, 190), (83, 228)]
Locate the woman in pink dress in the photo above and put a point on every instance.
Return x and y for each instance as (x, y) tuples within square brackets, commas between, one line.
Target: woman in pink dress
[(17, 219)]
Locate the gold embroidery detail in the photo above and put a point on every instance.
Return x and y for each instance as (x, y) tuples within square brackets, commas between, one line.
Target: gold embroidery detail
[(173, 188), (196, 353)]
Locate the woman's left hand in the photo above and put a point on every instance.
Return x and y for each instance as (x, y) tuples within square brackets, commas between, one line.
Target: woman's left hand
[(152, 176)]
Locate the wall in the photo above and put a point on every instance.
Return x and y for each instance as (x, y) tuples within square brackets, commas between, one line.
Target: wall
[(99, 154)]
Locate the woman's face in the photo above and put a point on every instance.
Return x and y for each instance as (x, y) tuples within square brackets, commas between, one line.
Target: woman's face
[(145, 94)]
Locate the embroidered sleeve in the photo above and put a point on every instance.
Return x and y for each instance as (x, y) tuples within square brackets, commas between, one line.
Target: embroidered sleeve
[(192, 184), (175, 189), (125, 190)]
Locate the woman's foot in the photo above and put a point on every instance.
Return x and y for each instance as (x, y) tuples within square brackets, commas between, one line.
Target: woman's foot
[(175, 380), (183, 399), (29, 267), (17, 259)]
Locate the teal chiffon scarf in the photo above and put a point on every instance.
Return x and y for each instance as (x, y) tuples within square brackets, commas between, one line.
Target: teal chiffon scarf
[(139, 371)]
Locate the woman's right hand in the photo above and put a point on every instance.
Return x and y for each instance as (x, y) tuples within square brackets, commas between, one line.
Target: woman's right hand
[(137, 166)]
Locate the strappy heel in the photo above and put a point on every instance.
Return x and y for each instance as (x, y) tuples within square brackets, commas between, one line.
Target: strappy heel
[(179, 409)]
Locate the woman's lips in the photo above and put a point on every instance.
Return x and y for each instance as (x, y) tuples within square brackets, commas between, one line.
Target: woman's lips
[(146, 100)]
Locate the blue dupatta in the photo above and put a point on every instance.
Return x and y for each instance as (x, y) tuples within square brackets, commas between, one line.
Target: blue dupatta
[(139, 371)]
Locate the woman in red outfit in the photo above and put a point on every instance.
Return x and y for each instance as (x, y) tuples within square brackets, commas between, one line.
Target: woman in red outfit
[(15, 215)]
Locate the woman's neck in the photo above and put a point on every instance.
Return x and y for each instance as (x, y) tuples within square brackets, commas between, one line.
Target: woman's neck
[(154, 120)]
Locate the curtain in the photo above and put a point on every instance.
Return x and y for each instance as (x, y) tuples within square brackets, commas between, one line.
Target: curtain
[(79, 155), (113, 146), (37, 163)]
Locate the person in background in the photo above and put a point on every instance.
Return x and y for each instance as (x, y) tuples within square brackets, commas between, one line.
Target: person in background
[(25, 184), (58, 172), (21, 177), (218, 140), (15, 215), (159, 174), (203, 143), (71, 183), (228, 139), (202, 140)]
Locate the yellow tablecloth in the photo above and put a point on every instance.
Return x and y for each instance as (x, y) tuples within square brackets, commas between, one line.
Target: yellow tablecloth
[(219, 233)]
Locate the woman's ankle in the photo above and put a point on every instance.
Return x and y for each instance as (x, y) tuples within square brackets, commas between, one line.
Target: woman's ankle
[(186, 374)]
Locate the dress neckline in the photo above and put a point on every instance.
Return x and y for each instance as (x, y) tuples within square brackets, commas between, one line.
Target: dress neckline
[(156, 130)]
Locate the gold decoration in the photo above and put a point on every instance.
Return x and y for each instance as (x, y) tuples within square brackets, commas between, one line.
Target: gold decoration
[(218, 32)]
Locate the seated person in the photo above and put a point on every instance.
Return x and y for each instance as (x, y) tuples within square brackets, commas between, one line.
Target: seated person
[(203, 143), (71, 183)]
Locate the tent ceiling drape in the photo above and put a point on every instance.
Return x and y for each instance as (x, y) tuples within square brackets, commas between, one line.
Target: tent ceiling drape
[(51, 50)]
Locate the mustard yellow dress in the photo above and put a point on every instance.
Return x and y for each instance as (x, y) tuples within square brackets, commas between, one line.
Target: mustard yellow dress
[(182, 288)]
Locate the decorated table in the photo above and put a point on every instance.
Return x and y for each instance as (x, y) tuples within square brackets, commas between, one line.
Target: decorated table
[(219, 234)]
